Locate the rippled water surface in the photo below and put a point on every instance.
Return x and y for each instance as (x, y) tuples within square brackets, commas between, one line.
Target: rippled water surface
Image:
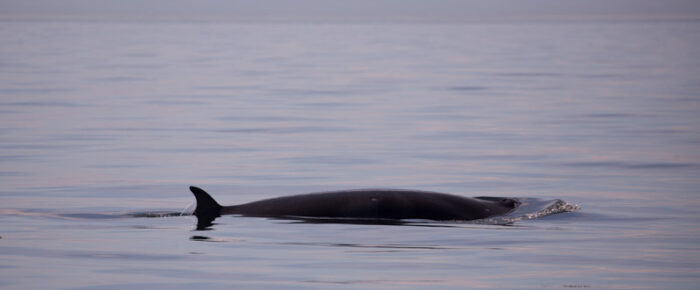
[(99, 121)]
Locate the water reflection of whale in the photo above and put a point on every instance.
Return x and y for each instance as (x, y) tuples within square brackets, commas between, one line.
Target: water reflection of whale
[(375, 205)]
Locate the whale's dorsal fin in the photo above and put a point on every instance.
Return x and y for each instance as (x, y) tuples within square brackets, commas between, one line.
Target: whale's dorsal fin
[(207, 207)]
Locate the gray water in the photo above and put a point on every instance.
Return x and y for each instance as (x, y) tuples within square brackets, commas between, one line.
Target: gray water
[(100, 120)]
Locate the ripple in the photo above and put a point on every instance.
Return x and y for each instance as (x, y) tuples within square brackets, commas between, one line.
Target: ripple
[(338, 160), (281, 130), (44, 104), (631, 165)]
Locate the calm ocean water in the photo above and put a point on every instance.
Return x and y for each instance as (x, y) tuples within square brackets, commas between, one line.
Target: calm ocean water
[(98, 120)]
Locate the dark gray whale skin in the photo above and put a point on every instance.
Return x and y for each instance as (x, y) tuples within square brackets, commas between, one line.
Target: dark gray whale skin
[(361, 204)]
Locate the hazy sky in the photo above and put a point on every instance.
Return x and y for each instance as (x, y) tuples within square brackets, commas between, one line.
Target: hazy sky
[(349, 10)]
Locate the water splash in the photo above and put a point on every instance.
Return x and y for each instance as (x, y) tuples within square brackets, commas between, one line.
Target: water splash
[(189, 209), (532, 208), (556, 206)]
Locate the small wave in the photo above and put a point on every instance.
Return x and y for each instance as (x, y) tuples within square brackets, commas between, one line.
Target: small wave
[(558, 206), (186, 211), (153, 214), (532, 208)]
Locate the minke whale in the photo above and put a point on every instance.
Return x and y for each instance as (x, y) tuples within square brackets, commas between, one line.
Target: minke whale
[(365, 204)]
